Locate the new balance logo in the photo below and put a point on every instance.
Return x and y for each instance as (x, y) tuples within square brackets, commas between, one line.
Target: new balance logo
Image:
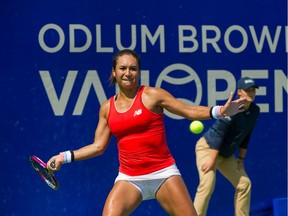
[(138, 112)]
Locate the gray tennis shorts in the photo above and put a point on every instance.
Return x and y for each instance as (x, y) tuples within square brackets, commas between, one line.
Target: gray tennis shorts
[(149, 184)]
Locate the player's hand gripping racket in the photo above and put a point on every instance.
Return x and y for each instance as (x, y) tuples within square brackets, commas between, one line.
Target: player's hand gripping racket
[(44, 172)]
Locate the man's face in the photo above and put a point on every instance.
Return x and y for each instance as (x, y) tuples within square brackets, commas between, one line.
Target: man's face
[(248, 94)]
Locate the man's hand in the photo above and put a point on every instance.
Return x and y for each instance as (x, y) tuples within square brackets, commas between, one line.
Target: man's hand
[(240, 165), (208, 165)]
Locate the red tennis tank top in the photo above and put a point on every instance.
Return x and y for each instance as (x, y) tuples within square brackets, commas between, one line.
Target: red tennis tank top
[(140, 135)]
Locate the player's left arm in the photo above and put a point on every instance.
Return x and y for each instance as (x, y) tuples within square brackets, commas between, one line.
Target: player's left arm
[(157, 99), (165, 100)]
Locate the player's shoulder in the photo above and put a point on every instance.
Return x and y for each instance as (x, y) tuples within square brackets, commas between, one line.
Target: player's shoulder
[(154, 90), (104, 108), (106, 103)]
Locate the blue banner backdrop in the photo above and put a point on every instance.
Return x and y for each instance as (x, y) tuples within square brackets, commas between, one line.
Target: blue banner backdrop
[(56, 59)]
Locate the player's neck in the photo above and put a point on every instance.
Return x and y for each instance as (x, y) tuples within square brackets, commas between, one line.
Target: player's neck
[(127, 95)]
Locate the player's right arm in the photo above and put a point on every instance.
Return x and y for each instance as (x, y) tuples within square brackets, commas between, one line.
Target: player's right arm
[(101, 138), (100, 143)]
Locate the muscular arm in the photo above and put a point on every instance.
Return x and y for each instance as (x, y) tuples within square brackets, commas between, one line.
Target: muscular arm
[(101, 141), (101, 138), (157, 99)]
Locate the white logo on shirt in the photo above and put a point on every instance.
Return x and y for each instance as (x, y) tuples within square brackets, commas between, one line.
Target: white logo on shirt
[(138, 112)]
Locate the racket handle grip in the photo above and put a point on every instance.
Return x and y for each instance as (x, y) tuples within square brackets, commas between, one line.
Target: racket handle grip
[(52, 164)]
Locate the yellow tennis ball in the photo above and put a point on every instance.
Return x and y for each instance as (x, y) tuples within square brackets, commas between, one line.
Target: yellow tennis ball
[(196, 127)]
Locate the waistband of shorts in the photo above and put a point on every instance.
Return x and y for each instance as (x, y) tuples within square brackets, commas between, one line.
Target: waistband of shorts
[(160, 174)]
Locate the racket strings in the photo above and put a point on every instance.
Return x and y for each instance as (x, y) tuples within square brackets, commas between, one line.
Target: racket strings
[(44, 173)]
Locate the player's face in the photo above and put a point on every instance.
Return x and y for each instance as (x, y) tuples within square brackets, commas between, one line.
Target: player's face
[(126, 71), (248, 94)]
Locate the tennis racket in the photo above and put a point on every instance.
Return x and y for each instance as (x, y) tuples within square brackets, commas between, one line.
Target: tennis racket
[(43, 171)]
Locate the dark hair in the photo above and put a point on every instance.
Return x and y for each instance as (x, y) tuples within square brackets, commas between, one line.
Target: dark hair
[(112, 79)]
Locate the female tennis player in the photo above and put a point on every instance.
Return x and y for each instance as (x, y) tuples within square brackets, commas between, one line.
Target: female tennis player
[(135, 117)]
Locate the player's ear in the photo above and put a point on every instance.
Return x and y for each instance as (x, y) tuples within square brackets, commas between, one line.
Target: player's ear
[(113, 72)]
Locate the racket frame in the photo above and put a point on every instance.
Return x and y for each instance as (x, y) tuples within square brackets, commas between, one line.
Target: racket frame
[(40, 167)]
